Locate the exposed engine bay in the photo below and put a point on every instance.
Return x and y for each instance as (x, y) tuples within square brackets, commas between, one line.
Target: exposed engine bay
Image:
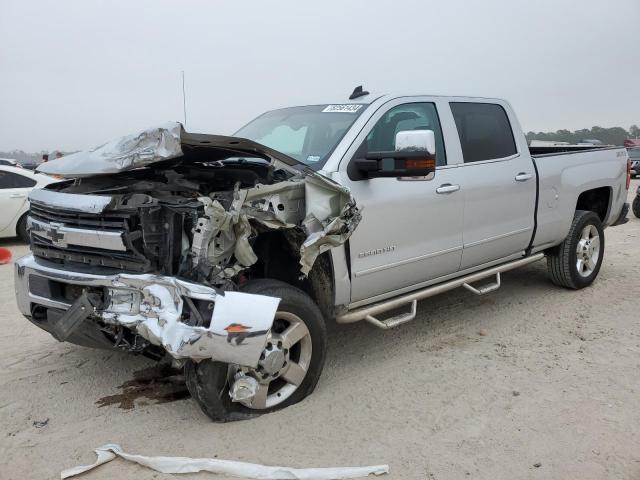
[(196, 216), (151, 230)]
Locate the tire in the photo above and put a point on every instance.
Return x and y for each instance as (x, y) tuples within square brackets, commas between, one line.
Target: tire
[(563, 261), (635, 206), (21, 229), (208, 381)]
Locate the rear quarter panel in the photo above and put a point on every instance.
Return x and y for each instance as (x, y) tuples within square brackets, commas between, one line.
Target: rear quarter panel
[(563, 177)]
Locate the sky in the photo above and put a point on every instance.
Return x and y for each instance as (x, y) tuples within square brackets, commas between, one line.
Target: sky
[(77, 73)]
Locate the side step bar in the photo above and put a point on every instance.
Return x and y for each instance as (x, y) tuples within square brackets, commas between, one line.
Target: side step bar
[(369, 312)]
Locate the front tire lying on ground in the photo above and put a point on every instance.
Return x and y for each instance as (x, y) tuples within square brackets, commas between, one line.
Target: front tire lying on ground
[(575, 263), (289, 368)]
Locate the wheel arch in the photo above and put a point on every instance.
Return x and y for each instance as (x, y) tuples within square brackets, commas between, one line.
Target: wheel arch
[(597, 200), (278, 254)]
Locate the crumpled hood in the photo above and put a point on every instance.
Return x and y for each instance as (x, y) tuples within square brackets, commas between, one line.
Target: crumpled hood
[(158, 144)]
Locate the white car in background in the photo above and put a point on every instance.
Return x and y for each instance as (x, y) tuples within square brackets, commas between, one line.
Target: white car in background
[(15, 185), (9, 161)]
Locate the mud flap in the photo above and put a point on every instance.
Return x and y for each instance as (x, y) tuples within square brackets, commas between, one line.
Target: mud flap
[(622, 218)]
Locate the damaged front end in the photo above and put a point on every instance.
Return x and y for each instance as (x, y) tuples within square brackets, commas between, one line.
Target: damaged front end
[(151, 240)]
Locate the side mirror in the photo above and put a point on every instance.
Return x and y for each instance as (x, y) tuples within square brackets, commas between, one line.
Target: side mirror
[(416, 141), (414, 156)]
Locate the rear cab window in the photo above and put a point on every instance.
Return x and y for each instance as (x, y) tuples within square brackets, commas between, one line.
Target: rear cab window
[(484, 131)]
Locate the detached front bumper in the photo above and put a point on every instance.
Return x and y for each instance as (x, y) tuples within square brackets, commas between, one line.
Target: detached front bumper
[(149, 305)]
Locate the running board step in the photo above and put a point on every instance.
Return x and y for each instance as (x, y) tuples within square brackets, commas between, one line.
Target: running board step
[(396, 320), (370, 312), (488, 288)]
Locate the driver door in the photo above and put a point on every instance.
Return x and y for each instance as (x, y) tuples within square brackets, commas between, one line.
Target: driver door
[(411, 228)]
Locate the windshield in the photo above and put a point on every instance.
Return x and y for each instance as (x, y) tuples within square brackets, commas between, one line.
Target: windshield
[(634, 153), (309, 134)]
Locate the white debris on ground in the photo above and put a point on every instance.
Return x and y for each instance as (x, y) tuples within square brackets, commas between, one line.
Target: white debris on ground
[(108, 452)]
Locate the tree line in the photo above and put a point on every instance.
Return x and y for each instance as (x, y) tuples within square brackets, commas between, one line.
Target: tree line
[(609, 136)]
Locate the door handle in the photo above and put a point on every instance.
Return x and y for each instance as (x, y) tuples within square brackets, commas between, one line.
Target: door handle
[(447, 188), (523, 177), (17, 195)]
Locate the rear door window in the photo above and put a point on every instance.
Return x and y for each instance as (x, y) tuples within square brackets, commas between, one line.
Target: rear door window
[(484, 130), (13, 180)]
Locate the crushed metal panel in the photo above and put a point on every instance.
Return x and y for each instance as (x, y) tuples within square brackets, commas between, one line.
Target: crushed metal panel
[(332, 216), (152, 306), (157, 144), (325, 210), (132, 151), (280, 205)]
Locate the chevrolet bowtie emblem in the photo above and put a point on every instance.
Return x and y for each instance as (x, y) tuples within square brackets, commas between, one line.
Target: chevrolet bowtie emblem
[(56, 237)]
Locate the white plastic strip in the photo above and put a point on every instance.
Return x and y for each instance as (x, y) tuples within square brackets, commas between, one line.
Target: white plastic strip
[(108, 452)]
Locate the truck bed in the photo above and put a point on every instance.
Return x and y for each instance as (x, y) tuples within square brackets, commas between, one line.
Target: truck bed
[(564, 175)]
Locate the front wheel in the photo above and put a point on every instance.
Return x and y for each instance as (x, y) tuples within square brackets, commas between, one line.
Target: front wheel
[(289, 366), (575, 263)]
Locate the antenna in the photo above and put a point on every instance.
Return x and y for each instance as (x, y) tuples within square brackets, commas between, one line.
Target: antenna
[(184, 101), (358, 92)]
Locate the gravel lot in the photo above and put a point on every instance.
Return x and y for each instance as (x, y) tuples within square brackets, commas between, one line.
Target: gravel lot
[(529, 382)]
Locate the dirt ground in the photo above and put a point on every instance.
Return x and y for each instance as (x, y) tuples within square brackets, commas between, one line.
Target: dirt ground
[(532, 381)]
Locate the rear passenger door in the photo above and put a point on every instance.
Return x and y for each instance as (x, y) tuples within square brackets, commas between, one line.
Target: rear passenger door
[(499, 184)]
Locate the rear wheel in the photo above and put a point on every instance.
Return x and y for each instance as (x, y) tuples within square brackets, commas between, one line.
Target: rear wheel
[(575, 263), (289, 366), (635, 206)]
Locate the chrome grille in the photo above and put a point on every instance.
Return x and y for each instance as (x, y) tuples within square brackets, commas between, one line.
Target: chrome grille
[(67, 236)]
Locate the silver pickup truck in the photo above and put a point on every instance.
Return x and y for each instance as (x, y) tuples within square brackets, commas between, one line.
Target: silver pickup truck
[(229, 254)]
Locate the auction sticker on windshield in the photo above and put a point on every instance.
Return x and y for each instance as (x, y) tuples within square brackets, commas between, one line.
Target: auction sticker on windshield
[(349, 108)]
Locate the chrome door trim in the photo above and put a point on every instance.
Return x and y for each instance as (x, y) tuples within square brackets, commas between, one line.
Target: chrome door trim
[(492, 160), (497, 237)]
